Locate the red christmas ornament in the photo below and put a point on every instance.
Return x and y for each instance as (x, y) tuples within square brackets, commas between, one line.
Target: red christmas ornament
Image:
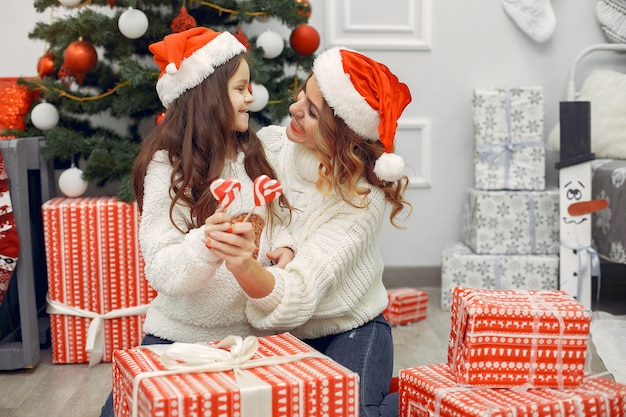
[(80, 57), (304, 40), (65, 74), (241, 37), (159, 117), (304, 8), (45, 65), (111, 3), (183, 21)]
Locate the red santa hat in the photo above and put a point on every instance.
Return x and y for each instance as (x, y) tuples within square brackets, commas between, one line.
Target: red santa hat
[(368, 97), (187, 58)]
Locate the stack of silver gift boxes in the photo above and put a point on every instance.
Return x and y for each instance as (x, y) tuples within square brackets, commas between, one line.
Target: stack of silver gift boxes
[(510, 229)]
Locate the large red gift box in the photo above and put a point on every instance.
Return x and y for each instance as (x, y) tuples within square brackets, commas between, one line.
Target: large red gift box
[(432, 390), (505, 338), (97, 291), (406, 305), (277, 376)]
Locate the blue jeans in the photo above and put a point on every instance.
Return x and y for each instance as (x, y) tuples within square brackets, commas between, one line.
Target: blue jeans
[(368, 351), (107, 409)]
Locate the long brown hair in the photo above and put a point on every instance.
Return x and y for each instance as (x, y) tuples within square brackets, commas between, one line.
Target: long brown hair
[(197, 134), (345, 157)]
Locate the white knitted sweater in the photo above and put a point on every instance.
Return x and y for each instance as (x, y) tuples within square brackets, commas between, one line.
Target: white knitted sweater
[(198, 298), (334, 283)]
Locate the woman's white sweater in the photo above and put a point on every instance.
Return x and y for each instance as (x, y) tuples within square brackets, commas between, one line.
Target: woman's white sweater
[(198, 298), (334, 283)]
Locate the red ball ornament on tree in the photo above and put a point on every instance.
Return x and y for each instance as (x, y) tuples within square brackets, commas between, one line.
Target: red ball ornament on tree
[(80, 57), (45, 65), (304, 40)]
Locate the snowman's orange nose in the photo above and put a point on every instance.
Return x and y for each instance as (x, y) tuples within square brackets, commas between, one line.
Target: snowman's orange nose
[(586, 207)]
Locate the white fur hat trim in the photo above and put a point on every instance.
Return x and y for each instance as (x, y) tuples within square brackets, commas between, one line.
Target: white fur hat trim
[(197, 67), (341, 95), (389, 167)]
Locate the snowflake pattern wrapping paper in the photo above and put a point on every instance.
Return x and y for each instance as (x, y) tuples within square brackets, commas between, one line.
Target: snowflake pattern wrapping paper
[(509, 138), (509, 338), (609, 183), (460, 266), (512, 222), (431, 390)]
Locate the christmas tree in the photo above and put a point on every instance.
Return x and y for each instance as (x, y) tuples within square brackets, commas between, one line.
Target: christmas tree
[(96, 85)]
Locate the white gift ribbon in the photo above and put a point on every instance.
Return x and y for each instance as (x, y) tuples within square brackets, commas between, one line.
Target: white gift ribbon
[(95, 333), (184, 358)]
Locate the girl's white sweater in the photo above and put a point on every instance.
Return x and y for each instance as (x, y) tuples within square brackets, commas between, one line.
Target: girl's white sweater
[(198, 298), (334, 284)]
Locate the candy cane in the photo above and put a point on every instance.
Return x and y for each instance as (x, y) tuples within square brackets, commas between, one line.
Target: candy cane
[(226, 190), (265, 191)]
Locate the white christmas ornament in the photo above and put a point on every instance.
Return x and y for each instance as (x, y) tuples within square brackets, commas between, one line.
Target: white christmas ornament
[(71, 182), (272, 44), (261, 97), (70, 3), (133, 23), (44, 116)]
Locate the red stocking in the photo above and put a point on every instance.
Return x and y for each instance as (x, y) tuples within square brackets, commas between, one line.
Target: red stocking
[(9, 240)]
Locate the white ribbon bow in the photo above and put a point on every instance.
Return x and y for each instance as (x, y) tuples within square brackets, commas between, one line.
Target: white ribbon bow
[(95, 333)]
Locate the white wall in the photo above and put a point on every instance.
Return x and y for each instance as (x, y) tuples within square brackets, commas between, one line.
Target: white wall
[(474, 43)]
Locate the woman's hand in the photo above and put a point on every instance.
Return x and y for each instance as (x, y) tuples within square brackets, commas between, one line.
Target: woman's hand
[(281, 256)]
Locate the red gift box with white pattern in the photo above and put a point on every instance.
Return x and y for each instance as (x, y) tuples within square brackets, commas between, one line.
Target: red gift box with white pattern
[(94, 269), (431, 390), (306, 387), (507, 338), (406, 305)]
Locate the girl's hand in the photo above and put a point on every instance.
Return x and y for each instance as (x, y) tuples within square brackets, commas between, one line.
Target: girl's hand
[(218, 221), (281, 256), (237, 248)]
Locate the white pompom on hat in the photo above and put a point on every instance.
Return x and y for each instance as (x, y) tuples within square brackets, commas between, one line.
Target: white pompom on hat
[(368, 97), (187, 58)]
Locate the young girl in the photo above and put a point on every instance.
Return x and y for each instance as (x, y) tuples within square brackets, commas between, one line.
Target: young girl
[(204, 85), (338, 168)]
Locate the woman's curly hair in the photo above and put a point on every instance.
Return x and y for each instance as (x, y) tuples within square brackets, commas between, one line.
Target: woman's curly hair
[(346, 157)]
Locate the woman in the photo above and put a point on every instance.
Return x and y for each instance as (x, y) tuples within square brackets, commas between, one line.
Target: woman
[(337, 166)]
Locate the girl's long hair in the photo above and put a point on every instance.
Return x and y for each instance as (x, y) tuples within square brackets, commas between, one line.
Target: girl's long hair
[(345, 157), (197, 134)]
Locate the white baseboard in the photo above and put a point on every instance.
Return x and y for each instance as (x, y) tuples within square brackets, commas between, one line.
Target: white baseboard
[(428, 276)]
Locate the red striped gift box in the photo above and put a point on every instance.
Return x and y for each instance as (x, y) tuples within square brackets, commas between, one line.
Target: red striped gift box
[(406, 305), (505, 338), (431, 390), (97, 291), (281, 377)]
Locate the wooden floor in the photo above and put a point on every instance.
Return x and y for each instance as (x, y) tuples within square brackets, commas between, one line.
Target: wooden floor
[(77, 391)]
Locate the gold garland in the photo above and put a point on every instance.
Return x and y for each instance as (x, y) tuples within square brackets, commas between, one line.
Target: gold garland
[(229, 11), (65, 94)]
